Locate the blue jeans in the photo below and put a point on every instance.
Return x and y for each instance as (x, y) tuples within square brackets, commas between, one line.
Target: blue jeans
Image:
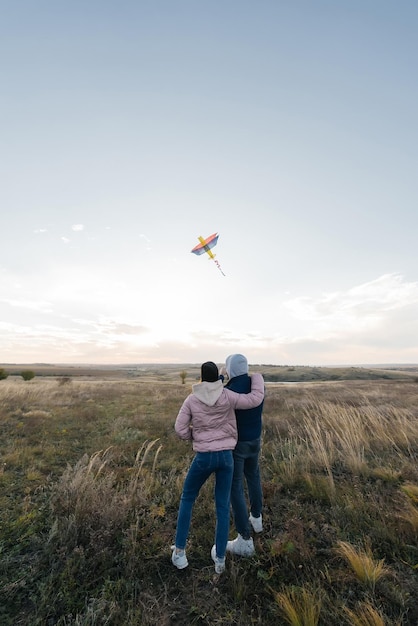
[(203, 465), (246, 466)]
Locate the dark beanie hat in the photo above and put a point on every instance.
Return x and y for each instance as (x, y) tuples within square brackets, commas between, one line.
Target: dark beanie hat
[(209, 372)]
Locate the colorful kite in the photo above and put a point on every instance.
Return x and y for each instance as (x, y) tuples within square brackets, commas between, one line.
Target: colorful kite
[(206, 245)]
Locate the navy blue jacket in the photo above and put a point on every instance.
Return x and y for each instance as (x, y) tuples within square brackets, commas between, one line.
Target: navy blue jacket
[(249, 423)]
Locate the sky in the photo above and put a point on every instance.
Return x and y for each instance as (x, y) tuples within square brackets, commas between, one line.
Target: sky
[(130, 128)]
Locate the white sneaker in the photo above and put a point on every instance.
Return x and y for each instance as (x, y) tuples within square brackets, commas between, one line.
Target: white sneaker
[(179, 559), (219, 563), (241, 547), (256, 523)]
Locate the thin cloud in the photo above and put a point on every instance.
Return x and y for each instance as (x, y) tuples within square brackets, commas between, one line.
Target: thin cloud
[(147, 241), (111, 327), (115, 328), (363, 306), (33, 305), (65, 240), (77, 227)]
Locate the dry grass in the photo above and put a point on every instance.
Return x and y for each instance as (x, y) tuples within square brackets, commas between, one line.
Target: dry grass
[(366, 615), (299, 607), (411, 491), (367, 569), (334, 434)]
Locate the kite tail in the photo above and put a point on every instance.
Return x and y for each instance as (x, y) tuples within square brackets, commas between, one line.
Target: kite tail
[(219, 267)]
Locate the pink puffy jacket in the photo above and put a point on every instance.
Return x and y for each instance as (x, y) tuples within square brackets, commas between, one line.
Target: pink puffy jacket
[(207, 415)]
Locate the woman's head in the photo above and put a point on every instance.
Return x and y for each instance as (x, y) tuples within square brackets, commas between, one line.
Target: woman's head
[(209, 372)]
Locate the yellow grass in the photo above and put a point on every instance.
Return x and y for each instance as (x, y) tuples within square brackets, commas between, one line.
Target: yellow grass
[(411, 490), (299, 607), (367, 569), (366, 615)]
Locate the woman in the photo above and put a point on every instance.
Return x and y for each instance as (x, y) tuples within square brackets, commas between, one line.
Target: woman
[(207, 417)]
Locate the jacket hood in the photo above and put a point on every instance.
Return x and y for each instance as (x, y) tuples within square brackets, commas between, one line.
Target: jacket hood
[(208, 393), (236, 365)]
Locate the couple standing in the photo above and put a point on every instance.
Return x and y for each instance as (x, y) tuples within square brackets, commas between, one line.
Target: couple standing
[(224, 424)]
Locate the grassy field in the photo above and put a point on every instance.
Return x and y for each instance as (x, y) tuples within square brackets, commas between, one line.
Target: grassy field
[(90, 479)]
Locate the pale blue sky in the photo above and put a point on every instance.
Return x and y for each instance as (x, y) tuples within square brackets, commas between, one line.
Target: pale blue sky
[(131, 128)]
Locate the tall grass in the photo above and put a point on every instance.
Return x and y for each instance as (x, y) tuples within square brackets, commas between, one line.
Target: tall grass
[(354, 438), (366, 615), (367, 569), (299, 607)]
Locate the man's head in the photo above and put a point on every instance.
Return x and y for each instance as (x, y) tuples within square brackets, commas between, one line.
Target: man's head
[(236, 365)]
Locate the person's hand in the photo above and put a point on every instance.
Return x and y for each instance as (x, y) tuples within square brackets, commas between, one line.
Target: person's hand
[(223, 371)]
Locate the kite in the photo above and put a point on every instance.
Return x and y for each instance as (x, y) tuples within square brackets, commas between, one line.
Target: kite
[(206, 245)]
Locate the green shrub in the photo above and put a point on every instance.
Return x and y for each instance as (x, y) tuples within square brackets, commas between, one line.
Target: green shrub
[(27, 374), (3, 374)]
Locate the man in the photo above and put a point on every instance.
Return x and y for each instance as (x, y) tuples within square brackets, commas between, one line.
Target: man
[(246, 461)]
